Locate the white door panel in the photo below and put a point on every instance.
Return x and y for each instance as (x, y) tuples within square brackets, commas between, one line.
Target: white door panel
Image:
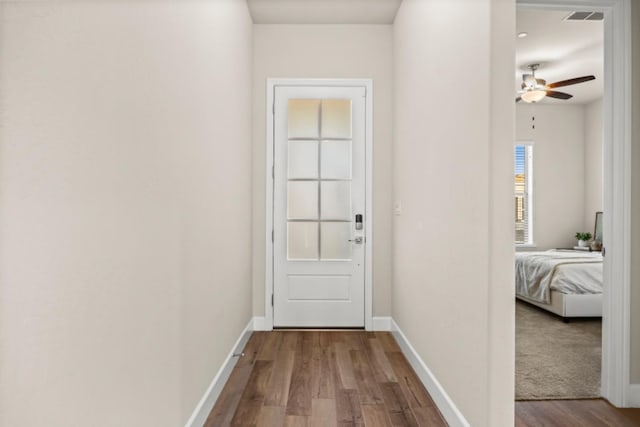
[(319, 190)]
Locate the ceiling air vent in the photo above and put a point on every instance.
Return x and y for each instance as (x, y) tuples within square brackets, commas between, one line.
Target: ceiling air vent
[(585, 16)]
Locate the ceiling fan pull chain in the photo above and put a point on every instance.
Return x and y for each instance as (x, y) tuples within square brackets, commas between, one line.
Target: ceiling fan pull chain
[(533, 116)]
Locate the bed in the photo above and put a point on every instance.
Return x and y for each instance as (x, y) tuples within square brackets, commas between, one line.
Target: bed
[(567, 283)]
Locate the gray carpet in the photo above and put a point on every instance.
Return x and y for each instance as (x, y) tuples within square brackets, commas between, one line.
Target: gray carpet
[(556, 360)]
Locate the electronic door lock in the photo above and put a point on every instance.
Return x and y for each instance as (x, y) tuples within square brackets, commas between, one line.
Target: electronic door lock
[(358, 221)]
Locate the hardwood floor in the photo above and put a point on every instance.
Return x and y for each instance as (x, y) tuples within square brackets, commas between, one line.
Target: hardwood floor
[(323, 378), (574, 413), (357, 378)]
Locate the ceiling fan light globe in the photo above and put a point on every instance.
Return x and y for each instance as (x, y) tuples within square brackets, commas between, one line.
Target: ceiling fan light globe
[(533, 95)]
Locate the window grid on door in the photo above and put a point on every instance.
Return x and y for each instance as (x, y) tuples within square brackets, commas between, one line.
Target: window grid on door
[(319, 179)]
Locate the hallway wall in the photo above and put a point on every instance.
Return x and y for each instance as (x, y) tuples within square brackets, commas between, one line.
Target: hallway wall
[(327, 51), (123, 244), (453, 165)]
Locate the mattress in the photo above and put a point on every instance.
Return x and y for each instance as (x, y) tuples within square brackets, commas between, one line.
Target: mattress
[(568, 272)]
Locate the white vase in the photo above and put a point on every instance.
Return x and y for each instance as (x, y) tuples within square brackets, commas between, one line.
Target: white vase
[(582, 243)]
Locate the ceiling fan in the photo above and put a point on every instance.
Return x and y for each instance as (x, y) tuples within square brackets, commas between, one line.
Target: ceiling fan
[(534, 89)]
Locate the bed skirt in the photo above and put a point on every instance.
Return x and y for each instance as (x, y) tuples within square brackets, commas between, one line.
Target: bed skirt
[(570, 305)]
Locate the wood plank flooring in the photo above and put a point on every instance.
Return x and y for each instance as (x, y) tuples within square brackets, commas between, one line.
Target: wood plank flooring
[(574, 413), (357, 378), (323, 378)]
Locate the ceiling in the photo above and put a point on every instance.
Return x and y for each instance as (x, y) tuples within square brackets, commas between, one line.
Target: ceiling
[(323, 11), (563, 49)]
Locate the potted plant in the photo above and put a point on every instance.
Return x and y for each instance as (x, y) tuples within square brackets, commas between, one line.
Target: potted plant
[(583, 239)]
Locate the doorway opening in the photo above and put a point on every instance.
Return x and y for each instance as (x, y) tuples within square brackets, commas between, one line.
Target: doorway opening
[(615, 109), (558, 186)]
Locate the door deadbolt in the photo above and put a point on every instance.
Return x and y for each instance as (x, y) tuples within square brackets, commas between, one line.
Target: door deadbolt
[(358, 221)]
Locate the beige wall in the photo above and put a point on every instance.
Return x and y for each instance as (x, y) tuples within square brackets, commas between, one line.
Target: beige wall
[(593, 139), (327, 51), (215, 138), (635, 203), (501, 298), (558, 171), (452, 163), (118, 139)]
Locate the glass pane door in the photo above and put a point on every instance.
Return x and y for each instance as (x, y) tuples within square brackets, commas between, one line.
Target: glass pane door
[(319, 175)]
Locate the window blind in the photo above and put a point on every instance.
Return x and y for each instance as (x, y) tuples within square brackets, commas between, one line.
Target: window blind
[(522, 185)]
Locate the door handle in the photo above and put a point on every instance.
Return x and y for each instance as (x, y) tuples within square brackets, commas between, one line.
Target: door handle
[(357, 240)]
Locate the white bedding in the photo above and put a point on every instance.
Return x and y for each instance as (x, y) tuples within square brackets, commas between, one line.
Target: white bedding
[(537, 273)]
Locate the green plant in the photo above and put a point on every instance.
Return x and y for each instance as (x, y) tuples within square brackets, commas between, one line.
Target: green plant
[(583, 236)]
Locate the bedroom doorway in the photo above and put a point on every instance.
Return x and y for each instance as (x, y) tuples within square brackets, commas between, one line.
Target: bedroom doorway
[(615, 171)]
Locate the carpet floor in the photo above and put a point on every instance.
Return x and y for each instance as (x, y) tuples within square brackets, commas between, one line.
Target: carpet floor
[(556, 360)]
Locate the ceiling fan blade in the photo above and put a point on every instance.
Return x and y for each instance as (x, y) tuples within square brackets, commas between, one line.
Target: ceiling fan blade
[(518, 99), (558, 95), (571, 81)]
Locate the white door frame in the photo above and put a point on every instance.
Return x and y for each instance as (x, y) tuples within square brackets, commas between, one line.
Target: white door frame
[(616, 327), (368, 267)]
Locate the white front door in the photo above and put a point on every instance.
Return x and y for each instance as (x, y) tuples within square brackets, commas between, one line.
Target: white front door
[(319, 216)]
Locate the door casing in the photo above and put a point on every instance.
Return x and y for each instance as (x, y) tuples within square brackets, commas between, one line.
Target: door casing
[(269, 179)]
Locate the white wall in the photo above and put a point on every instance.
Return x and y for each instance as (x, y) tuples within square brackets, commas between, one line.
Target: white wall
[(558, 171), (453, 159), (327, 51), (501, 297), (213, 50), (593, 139), (123, 243)]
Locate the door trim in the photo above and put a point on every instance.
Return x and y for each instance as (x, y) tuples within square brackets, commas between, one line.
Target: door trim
[(616, 338), (269, 180)]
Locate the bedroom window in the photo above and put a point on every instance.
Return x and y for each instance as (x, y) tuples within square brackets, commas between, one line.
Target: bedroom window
[(523, 200)]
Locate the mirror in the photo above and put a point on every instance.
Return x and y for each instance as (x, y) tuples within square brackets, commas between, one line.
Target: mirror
[(597, 229)]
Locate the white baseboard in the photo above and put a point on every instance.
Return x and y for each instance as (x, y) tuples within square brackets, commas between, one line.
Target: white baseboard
[(201, 412), (381, 323), (633, 397), (449, 411), (260, 324)]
